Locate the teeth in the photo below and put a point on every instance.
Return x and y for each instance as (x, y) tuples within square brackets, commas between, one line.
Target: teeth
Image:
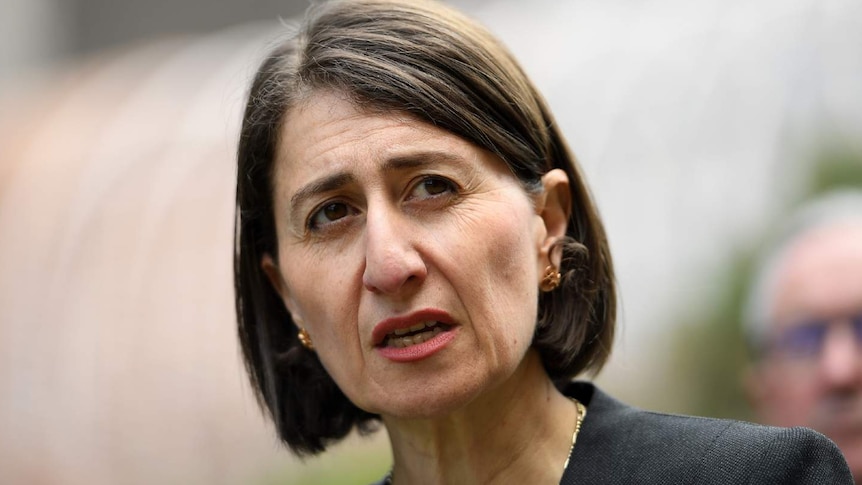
[(415, 328), (401, 340)]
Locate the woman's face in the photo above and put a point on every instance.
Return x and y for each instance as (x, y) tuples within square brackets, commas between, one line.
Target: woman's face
[(412, 257)]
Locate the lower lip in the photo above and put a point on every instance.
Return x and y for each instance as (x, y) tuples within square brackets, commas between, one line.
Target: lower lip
[(419, 351)]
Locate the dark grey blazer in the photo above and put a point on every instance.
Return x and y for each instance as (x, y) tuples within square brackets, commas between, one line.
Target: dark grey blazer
[(619, 444)]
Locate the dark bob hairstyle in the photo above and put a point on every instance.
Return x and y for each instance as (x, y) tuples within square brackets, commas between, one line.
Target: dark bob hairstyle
[(426, 60)]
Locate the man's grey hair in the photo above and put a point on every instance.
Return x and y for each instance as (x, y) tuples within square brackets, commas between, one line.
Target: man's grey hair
[(834, 208)]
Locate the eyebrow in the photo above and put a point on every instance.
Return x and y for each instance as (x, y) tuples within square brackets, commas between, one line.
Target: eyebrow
[(395, 164), (420, 159), (325, 184)]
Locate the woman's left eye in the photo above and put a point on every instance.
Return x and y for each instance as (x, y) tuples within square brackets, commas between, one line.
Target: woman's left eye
[(430, 187)]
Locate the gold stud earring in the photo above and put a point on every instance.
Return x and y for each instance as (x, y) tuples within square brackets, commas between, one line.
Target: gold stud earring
[(551, 280), (305, 339)]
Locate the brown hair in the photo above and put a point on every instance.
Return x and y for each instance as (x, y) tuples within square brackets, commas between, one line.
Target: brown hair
[(425, 59)]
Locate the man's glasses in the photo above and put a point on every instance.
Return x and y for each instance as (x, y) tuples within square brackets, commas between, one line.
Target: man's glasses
[(805, 340)]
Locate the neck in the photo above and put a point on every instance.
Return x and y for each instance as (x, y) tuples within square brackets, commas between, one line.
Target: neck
[(519, 432)]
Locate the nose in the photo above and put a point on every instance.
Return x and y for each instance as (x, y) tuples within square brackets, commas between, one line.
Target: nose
[(841, 362), (392, 262)]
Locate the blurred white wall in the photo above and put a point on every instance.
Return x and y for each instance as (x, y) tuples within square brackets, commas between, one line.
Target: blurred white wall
[(118, 362), (118, 357)]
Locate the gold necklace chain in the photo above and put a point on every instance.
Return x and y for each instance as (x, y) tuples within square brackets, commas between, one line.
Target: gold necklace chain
[(579, 420)]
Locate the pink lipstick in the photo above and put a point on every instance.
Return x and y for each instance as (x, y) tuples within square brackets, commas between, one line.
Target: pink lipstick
[(415, 336)]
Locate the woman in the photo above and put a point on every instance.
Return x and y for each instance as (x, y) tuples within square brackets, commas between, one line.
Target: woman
[(416, 246)]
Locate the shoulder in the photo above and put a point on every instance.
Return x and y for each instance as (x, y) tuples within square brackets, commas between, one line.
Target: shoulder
[(631, 445)]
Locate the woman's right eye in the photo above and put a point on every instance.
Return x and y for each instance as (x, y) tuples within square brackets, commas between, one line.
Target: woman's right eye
[(329, 213)]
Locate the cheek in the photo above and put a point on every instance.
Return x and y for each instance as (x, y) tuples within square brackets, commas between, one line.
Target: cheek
[(515, 252), (502, 236), (794, 393), (320, 283), (333, 329), (514, 260), (321, 295), (509, 285)]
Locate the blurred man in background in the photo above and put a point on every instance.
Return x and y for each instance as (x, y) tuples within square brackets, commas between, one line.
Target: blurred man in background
[(804, 320)]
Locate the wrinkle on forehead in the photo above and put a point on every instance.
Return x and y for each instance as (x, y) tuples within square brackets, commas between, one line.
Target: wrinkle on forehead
[(325, 129)]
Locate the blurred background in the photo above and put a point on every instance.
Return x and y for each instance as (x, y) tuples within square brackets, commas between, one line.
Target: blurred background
[(698, 125)]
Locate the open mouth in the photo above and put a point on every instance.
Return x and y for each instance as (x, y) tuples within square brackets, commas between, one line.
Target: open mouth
[(417, 334)]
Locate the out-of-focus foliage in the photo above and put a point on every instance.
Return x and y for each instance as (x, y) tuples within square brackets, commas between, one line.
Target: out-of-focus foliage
[(837, 168), (710, 350), (365, 461)]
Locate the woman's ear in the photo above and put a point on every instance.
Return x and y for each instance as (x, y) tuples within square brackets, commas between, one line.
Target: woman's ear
[(554, 207), (267, 264), (273, 274)]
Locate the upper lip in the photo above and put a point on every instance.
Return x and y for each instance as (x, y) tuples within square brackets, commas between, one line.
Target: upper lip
[(389, 325)]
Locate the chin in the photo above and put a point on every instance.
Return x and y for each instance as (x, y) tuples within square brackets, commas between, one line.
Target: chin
[(433, 391), (424, 400)]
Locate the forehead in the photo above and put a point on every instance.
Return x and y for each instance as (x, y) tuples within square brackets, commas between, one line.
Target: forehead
[(327, 133), (327, 128), (821, 273)]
